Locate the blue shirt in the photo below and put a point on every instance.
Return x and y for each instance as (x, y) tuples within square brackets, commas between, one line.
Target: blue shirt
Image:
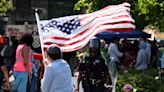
[(57, 77), (142, 45), (141, 60)]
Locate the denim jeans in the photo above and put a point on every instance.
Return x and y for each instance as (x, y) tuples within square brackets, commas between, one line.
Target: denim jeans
[(33, 84), (20, 82)]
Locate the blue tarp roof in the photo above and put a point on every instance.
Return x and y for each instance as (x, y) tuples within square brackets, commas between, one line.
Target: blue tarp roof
[(134, 34)]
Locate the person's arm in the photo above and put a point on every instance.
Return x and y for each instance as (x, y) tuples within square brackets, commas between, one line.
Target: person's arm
[(5, 72), (80, 69), (38, 56), (47, 78), (78, 81), (108, 81), (25, 54), (117, 52)]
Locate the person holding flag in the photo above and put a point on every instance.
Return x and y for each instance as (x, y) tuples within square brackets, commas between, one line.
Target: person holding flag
[(57, 76), (72, 33)]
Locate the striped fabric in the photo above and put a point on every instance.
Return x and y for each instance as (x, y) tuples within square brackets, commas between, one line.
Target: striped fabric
[(72, 33)]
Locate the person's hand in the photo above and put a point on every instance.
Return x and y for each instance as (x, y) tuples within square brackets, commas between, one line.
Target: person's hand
[(46, 62), (7, 86), (76, 90), (30, 77)]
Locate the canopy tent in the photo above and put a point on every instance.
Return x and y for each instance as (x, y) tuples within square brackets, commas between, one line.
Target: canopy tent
[(134, 34)]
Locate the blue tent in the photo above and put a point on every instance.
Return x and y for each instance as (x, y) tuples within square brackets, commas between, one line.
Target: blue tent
[(134, 34)]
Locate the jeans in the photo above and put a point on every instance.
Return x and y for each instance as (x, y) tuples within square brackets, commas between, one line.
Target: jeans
[(20, 82), (33, 84)]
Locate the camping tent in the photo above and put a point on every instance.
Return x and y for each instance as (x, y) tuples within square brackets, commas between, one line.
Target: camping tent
[(134, 34)]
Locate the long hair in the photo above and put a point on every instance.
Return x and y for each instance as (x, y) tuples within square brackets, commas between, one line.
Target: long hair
[(26, 39)]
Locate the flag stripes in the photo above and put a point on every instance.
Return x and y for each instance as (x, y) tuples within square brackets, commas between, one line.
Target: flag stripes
[(114, 18)]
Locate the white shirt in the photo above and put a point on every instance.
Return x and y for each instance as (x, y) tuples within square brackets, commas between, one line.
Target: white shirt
[(114, 52), (57, 77)]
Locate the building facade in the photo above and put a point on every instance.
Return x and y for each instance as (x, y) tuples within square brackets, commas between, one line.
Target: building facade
[(24, 10)]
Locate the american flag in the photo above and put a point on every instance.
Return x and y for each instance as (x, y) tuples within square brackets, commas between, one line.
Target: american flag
[(72, 33)]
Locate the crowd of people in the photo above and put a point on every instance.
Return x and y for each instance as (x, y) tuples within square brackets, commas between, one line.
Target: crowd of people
[(120, 53), (17, 62), (98, 68), (7, 58)]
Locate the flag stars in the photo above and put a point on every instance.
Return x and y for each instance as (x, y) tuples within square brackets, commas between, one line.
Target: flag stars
[(67, 30), (70, 26), (63, 29), (77, 23), (64, 25), (74, 27), (54, 22)]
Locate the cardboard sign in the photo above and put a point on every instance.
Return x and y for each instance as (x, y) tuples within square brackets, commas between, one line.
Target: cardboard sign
[(19, 30)]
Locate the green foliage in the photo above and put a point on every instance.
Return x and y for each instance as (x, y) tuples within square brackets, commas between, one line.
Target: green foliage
[(143, 80), (5, 5), (93, 5), (153, 10), (148, 12), (90, 4)]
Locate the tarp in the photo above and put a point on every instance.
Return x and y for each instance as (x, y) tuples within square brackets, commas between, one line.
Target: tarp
[(134, 34)]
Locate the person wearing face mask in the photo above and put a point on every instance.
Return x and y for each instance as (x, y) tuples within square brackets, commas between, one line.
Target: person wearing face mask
[(92, 70), (57, 76)]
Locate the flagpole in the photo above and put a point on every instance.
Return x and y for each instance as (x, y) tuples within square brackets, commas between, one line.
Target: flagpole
[(40, 35)]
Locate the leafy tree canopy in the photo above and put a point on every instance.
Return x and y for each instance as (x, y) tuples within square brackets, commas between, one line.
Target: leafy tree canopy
[(145, 12), (5, 5)]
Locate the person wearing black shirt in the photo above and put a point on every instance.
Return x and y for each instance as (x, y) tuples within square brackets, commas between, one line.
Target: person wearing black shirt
[(4, 72), (92, 70)]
